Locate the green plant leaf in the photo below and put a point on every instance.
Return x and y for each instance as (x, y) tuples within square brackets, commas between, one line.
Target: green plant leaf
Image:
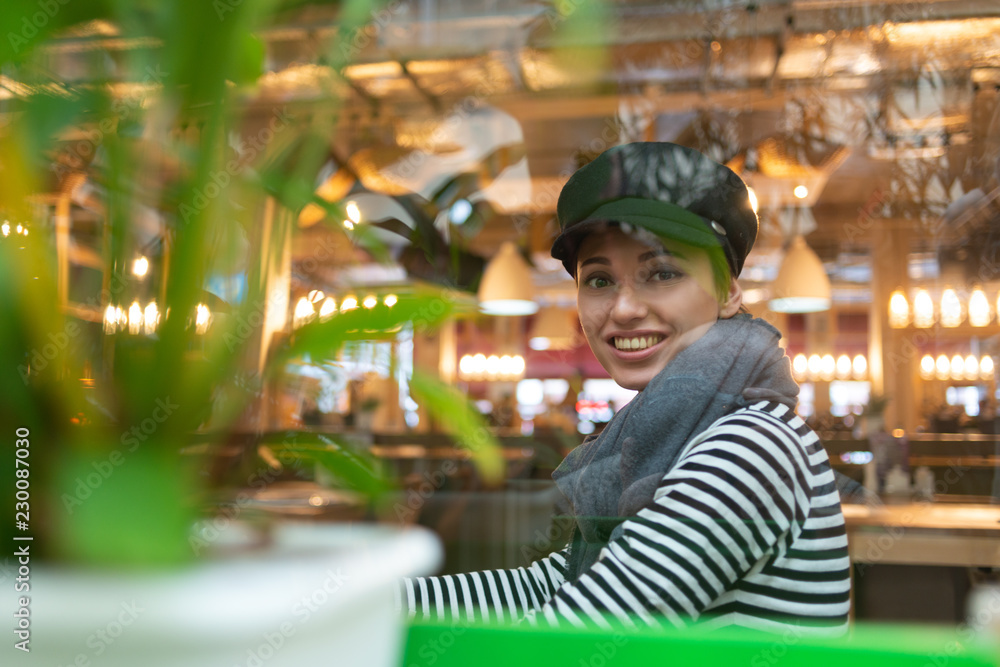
[(353, 468), (423, 308), (124, 508), (452, 410)]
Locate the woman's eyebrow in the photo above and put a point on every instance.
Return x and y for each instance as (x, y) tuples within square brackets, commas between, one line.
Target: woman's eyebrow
[(595, 260), (652, 254)]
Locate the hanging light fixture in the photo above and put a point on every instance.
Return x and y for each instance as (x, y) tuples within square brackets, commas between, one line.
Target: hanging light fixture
[(979, 308), (553, 329), (826, 367), (899, 310), (951, 309), (927, 367), (506, 287), (843, 367), (802, 285), (480, 367), (942, 368), (971, 367), (957, 366), (860, 366), (923, 310)]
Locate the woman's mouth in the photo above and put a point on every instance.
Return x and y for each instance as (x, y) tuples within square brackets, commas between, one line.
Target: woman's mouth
[(630, 343)]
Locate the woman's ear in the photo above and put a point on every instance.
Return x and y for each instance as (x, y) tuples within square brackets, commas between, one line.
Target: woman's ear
[(734, 299)]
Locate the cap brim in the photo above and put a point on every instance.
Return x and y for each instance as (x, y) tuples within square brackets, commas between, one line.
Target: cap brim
[(665, 220)]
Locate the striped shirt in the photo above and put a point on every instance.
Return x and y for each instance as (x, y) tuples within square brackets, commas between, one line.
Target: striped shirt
[(746, 530)]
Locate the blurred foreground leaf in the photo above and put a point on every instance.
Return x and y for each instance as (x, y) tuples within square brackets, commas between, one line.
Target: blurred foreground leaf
[(452, 410), (127, 508), (354, 469)]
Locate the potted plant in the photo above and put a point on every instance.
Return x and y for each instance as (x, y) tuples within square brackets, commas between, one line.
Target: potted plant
[(116, 408)]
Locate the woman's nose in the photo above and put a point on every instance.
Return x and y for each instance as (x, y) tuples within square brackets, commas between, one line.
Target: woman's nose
[(628, 304)]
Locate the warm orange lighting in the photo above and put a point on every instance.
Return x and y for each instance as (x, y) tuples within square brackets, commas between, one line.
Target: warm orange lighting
[(800, 365), (899, 310), (927, 367), (951, 309), (303, 313), (202, 318), (941, 367), (110, 319), (979, 308), (986, 368), (957, 367), (353, 212), (140, 267), (860, 365), (971, 368), (328, 309), (150, 318), (134, 318), (493, 367), (815, 365), (923, 309), (843, 367)]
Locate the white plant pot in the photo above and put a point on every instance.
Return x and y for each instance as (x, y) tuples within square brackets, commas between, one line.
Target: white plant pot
[(323, 594)]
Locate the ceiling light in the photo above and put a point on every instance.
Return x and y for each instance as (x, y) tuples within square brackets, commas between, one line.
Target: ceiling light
[(353, 212), (923, 309), (860, 366), (327, 310), (801, 191), (979, 308), (899, 310), (802, 285), (927, 367), (951, 309), (506, 287), (986, 368), (553, 329)]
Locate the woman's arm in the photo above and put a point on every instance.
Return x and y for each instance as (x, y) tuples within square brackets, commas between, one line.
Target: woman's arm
[(493, 595)]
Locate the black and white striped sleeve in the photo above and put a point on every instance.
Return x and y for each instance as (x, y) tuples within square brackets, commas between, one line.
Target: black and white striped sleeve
[(490, 595), (735, 500)]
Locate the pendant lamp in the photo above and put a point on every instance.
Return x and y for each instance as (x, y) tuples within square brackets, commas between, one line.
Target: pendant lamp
[(802, 285), (554, 328), (506, 287)]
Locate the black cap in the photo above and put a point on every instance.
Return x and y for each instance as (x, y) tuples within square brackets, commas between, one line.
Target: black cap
[(673, 191)]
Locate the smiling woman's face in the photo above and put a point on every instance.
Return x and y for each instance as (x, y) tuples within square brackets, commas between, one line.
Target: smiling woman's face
[(640, 305)]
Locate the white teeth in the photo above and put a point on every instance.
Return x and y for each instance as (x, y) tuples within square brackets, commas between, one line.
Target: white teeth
[(638, 343)]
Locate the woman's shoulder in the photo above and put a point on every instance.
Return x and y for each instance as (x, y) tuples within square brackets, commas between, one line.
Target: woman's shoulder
[(766, 413), (766, 423)]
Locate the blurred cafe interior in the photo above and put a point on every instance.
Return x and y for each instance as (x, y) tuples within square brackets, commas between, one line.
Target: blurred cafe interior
[(440, 132)]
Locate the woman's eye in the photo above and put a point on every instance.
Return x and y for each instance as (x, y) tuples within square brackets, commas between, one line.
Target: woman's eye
[(664, 274), (597, 282)]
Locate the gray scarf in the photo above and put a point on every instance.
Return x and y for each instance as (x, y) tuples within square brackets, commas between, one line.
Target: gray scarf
[(611, 477)]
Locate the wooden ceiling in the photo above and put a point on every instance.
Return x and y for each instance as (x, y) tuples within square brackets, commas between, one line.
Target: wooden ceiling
[(909, 89)]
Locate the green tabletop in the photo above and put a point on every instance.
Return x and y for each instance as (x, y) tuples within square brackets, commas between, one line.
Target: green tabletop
[(462, 644)]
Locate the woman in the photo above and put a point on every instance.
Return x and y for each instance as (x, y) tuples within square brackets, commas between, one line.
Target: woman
[(705, 498)]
